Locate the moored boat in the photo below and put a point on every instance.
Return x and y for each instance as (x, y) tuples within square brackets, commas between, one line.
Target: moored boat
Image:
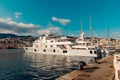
[(60, 45)]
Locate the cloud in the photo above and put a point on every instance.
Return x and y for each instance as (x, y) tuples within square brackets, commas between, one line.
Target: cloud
[(8, 31), (115, 35), (62, 21), (7, 25), (52, 30), (17, 14)]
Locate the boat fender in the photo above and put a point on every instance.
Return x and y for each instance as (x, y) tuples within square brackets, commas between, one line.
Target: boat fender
[(81, 64)]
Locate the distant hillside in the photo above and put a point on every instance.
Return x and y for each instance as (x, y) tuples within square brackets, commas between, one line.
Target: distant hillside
[(2, 35)]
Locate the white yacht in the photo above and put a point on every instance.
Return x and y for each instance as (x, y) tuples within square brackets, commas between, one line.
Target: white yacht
[(59, 45), (116, 62)]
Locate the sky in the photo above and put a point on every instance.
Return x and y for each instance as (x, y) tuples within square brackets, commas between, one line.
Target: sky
[(36, 17)]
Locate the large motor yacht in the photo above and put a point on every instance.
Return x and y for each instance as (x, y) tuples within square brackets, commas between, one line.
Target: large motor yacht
[(60, 45)]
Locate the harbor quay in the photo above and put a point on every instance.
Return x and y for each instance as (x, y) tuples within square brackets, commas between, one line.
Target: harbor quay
[(102, 70)]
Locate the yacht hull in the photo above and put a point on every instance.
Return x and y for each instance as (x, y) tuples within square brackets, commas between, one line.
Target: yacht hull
[(66, 52)]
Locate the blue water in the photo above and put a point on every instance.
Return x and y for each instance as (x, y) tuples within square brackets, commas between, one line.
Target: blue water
[(17, 65)]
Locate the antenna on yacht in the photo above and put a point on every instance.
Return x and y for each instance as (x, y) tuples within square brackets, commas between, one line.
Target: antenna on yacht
[(82, 34), (108, 36), (91, 31), (81, 27), (49, 25), (90, 27)]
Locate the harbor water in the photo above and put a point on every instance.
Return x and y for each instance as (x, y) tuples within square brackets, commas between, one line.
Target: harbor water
[(17, 65)]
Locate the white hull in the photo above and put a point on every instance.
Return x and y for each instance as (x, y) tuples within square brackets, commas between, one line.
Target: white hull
[(66, 52)]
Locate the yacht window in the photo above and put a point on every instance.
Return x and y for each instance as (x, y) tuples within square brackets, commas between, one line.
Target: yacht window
[(83, 43), (46, 46), (64, 51), (91, 48), (95, 52), (44, 50), (35, 50), (54, 50), (26, 48), (52, 41), (79, 43), (88, 44), (51, 46), (90, 52)]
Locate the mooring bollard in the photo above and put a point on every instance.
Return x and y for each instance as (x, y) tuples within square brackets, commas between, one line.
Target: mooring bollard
[(95, 60), (81, 64)]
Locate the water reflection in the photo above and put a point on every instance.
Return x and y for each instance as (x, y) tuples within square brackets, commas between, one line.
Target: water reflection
[(16, 65), (52, 66), (47, 66), (47, 60)]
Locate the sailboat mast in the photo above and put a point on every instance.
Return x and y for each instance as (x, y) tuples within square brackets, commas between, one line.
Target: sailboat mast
[(90, 27), (108, 36), (81, 27)]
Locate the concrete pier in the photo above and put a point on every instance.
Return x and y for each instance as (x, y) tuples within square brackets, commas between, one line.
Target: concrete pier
[(103, 70)]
